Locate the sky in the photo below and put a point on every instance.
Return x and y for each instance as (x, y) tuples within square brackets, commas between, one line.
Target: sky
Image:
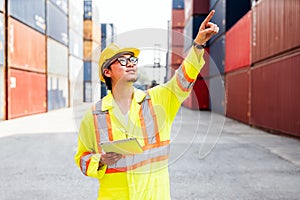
[(133, 18)]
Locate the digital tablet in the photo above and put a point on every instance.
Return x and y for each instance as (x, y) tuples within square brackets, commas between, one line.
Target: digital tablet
[(124, 147)]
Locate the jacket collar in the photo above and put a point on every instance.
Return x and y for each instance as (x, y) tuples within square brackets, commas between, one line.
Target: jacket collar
[(108, 100)]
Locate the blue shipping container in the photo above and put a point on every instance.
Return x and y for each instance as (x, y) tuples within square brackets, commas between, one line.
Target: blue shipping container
[(75, 44), (1, 40), (87, 9), (217, 57), (87, 71), (31, 13), (57, 24), (191, 29), (212, 4), (62, 5), (178, 4)]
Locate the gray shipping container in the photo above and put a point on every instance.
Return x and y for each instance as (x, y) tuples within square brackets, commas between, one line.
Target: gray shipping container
[(217, 94), (61, 4), (76, 80), (57, 58), (75, 16), (58, 92), (2, 5), (75, 44)]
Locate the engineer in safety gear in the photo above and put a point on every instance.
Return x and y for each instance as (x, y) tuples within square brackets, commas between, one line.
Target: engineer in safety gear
[(127, 112)]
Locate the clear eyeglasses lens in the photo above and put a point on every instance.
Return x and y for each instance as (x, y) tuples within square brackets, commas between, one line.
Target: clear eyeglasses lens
[(124, 61)]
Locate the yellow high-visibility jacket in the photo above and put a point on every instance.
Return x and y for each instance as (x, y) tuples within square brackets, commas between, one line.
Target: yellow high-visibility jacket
[(148, 177)]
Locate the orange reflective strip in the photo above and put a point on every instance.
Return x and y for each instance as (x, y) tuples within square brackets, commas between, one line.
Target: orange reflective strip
[(97, 133), (155, 121), (155, 145), (143, 125), (186, 76), (109, 128), (86, 163), (151, 160), (116, 170)]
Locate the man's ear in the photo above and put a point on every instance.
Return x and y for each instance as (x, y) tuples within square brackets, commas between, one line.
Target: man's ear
[(107, 72)]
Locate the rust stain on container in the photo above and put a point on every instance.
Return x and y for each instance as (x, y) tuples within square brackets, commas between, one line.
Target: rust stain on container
[(238, 95), (26, 93), (275, 28), (275, 94), (26, 47)]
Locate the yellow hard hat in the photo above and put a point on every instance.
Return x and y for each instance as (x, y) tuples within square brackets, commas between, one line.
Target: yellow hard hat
[(110, 53)]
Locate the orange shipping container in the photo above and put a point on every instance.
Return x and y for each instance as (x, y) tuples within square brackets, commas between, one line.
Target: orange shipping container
[(26, 47), (26, 93), (91, 31), (91, 50)]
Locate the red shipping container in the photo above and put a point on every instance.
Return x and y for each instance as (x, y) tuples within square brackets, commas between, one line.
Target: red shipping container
[(238, 44), (275, 94), (177, 55), (275, 28), (26, 93), (26, 47), (195, 7), (199, 97), (177, 37), (238, 95), (178, 18)]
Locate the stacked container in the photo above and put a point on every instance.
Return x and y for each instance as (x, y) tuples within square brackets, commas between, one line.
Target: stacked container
[(2, 72), (76, 51), (195, 13), (91, 51), (26, 58)]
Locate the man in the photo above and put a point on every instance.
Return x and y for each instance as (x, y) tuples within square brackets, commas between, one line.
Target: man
[(127, 112)]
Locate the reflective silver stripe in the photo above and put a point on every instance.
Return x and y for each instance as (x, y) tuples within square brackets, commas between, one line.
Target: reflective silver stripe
[(184, 83), (101, 118), (83, 162), (149, 121)]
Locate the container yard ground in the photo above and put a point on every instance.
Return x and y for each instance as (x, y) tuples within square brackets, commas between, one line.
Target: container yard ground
[(246, 163)]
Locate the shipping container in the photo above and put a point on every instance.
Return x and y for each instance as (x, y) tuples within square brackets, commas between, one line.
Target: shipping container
[(26, 47), (238, 44), (87, 72), (58, 92), (91, 51), (2, 29), (212, 4), (90, 11), (107, 30), (238, 95), (31, 13), (76, 80), (87, 91), (91, 31), (177, 18), (57, 58), (75, 16), (75, 44), (191, 29), (217, 94), (57, 24), (177, 4), (275, 28), (2, 94), (275, 94), (195, 7), (217, 57), (2, 5), (177, 55), (26, 93), (199, 97), (62, 5), (227, 14), (177, 37)]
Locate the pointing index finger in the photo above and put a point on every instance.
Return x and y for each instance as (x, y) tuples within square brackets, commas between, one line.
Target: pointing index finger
[(209, 16)]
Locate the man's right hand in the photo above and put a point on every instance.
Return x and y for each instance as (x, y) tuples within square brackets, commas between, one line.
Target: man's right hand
[(109, 158)]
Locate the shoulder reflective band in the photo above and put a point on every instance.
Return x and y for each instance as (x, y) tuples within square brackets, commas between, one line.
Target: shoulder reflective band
[(183, 80), (85, 161)]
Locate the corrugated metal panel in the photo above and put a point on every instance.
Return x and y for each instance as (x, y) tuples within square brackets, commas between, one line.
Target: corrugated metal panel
[(62, 5), (87, 72), (238, 95), (195, 7), (90, 51), (26, 93), (212, 3), (57, 92), (217, 55), (275, 95), (90, 11), (26, 47), (75, 16), (75, 44), (199, 97), (178, 4), (87, 88), (177, 55), (31, 13), (76, 80), (178, 18), (91, 31), (191, 30), (238, 44), (1, 39), (177, 37), (57, 24), (57, 58), (275, 28), (228, 13), (2, 94), (217, 94)]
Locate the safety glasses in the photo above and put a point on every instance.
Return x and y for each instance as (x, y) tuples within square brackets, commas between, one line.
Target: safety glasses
[(124, 61)]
